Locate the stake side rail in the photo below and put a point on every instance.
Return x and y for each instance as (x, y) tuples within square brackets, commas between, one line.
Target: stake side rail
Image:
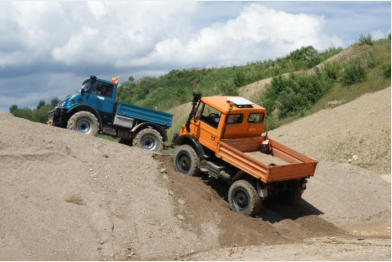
[(299, 165)]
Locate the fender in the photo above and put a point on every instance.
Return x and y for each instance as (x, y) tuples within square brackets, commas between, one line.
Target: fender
[(192, 141), (78, 108), (141, 126)]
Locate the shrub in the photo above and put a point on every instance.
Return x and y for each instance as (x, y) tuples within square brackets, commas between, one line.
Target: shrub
[(292, 96), (308, 56), (331, 69), (370, 59), (330, 52), (228, 88), (387, 71), (365, 40), (353, 72), (239, 78), (39, 114)]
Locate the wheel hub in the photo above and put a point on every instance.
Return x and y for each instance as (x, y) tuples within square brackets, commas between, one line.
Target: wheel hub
[(184, 162), (149, 142), (241, 199), (84, 125)]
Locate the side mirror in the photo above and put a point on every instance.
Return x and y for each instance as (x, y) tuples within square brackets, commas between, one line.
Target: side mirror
[(82, 91)]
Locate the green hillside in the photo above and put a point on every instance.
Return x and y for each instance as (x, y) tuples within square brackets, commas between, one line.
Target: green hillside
[(363, 67), (176, 87)]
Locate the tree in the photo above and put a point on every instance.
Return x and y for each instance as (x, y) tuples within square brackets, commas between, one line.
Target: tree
[(13, 109), (41, 103), (54, 101)]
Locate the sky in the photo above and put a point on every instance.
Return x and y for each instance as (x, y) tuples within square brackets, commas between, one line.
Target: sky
[(47, 48)]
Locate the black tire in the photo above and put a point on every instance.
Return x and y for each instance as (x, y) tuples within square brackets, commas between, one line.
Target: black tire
[(186, 160), (84, 122), (243, 198), (149, 139)]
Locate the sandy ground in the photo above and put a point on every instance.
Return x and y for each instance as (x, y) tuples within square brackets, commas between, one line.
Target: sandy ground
[(358, 133), (66, 196)]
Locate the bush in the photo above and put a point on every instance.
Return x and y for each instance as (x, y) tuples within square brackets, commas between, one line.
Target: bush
[(370, 59), (365, 40), (332, 69), (329, 52), (239, 79), (387, 71), (39, 114), (292, 96), (354, 71), (307, 56), (227, 88)]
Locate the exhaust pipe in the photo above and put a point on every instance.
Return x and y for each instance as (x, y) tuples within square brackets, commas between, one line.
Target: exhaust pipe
[(195, 100)]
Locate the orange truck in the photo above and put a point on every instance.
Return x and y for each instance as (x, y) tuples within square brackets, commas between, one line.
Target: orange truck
[(223, 138)]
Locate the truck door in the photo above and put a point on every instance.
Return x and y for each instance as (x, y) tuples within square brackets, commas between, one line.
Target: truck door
[(104, 101), (104, 97), (206, 124)]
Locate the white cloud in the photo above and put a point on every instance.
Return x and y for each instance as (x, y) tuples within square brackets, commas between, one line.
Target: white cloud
[(257, 33), (131, 34), (378, 34), (57, 44)]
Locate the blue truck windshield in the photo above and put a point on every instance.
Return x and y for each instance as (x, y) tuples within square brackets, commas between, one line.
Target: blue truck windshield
[(86, 86)]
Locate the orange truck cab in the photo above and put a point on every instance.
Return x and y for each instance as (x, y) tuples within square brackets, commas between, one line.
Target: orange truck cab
[(223, 139)]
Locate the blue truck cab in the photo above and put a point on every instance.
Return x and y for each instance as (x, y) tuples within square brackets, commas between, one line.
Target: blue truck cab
[(94, 110)]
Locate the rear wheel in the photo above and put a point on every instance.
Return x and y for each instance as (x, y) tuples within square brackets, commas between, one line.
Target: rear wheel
[(186, 160), (243, 198), (84, 122), (149, 139)]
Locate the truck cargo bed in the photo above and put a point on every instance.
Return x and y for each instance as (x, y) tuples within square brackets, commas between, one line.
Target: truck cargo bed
[(145, 114), (266, 159), (285, 164)]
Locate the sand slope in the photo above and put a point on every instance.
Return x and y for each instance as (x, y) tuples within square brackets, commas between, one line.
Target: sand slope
[(67, 196)]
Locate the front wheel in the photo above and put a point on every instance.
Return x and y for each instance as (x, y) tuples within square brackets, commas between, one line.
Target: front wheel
[(243, 198), (149, 139), (84, 122), (186, 160)]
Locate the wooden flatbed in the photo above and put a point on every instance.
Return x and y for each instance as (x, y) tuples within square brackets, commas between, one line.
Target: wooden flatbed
[(284, 164)]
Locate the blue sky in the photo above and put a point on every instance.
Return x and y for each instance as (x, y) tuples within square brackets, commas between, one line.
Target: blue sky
[(48, 48)]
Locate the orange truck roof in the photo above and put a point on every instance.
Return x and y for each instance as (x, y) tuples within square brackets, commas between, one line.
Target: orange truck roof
[(221, 103)]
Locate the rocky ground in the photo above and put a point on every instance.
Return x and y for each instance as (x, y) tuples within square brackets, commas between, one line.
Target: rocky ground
[(66, 196)]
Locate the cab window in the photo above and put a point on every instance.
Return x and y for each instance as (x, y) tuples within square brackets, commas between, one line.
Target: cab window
[(255, 117), (103, 89), (234, 119), (210, 116)]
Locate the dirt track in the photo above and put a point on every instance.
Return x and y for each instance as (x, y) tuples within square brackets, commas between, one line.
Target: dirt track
[(65, 196)]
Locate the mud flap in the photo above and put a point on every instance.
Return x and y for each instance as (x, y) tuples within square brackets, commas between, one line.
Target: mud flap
[(262, 192)]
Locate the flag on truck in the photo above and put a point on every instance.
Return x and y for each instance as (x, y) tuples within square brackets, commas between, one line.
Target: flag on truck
[(115, 79)]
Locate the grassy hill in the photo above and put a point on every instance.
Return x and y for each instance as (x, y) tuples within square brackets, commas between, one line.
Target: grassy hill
[(338, 79), (176, 87)]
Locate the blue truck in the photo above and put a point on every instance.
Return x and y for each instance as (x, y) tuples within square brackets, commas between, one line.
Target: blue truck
[(94, 110)]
